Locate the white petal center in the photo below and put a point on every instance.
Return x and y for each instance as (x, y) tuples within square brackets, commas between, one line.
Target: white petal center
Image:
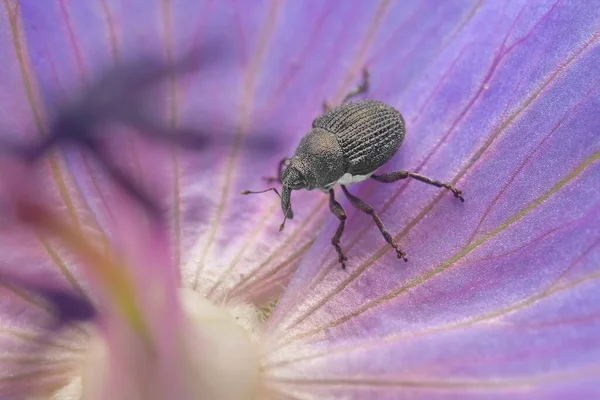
[(223, 351)]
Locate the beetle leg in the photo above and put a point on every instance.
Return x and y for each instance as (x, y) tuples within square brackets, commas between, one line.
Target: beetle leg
[(361, 88), (338, 211), (271, 179), (367, 209), (403, 174)]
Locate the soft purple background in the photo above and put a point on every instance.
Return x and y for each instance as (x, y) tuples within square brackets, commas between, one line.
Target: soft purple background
[(500, 297)]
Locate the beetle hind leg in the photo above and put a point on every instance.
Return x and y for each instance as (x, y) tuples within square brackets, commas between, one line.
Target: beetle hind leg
[(338, 211), (362, 87), (403, 174), (367, 209)]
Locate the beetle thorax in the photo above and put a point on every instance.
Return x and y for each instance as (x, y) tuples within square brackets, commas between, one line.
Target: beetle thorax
[(319, 158)]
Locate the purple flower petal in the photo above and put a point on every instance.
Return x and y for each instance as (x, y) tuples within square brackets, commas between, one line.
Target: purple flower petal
[(220, 236), (500, 294), (155, 283), (25, 317)]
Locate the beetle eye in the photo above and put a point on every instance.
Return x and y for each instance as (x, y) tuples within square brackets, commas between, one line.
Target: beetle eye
[(297, 183)]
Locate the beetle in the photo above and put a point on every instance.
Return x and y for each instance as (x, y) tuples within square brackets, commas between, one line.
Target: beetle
[(347, 144)]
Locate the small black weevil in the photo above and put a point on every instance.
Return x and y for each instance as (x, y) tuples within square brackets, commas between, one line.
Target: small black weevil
[(347, 144)]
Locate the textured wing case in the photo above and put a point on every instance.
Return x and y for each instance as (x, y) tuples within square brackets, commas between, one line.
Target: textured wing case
[(369, 132)]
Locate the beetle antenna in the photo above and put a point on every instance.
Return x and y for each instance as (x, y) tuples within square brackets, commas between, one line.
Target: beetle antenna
[(275, 190), (261, 191)]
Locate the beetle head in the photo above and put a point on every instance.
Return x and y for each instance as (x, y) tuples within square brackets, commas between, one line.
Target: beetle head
[(293, 176)]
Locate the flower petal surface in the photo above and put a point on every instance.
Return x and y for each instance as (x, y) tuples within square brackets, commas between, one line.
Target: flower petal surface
[(500, 293)]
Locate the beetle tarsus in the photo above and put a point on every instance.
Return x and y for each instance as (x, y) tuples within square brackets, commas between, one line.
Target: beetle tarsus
[(342, 260), (402, 255), (457, 193), (338, 211)]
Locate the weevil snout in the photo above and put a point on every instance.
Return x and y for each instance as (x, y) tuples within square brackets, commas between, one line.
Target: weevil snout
[(286, 202)]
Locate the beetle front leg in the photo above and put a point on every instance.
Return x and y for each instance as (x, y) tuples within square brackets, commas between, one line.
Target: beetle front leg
[(279, 178), (362, 87), (338, 211), (403, 174), (367, 209)]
